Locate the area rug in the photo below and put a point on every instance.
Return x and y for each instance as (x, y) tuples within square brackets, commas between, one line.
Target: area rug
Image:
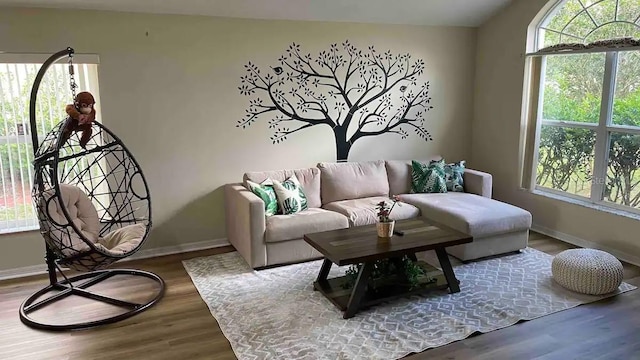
[(275, 314)]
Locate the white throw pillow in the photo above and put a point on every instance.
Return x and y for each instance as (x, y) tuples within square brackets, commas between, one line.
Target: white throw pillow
[(290, 195)]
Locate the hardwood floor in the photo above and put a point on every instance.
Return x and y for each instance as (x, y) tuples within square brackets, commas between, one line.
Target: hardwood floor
[(181, 326)]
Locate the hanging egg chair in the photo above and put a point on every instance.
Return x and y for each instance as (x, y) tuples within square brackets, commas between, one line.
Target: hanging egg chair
[(93, 206)]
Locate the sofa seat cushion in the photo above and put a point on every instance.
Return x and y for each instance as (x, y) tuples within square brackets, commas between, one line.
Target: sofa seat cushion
[(363, 211), (475, 215), (294, 226)]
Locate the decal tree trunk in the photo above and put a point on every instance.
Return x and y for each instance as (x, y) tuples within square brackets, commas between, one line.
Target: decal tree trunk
[(343, 146)]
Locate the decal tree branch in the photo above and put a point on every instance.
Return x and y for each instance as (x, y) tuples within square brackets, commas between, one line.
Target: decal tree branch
[(335, 87)]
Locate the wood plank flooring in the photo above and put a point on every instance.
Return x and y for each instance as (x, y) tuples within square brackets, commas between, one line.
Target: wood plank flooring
[(181, 326)]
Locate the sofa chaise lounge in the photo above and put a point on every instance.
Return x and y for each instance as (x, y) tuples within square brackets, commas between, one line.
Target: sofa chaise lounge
[(342, 195)]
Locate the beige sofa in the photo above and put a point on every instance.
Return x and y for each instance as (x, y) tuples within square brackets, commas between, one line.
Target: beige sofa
[(342, 195)]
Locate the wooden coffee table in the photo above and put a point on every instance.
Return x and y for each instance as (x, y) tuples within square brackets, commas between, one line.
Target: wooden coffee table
[(361, 245)]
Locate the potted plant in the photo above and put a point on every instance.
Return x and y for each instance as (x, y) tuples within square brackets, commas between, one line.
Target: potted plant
[(385, 224)]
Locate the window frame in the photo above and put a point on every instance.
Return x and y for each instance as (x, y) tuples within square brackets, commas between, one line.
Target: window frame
[(545, 20), (603, 130), (88, 69)]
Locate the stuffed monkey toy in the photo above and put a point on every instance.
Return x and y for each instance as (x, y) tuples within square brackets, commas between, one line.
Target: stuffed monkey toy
[(81, 116)]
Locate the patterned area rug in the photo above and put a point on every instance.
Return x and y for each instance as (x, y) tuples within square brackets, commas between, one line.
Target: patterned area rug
[(275, 314)]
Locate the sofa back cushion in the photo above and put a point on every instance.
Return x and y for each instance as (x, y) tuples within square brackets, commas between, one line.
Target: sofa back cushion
[(353, 180), (309, 180), (399, 173)]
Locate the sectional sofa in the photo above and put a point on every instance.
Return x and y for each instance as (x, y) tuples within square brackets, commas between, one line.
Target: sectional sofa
[(342, 195)]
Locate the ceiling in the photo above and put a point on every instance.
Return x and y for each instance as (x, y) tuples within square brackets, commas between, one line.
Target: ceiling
[(416, 12)]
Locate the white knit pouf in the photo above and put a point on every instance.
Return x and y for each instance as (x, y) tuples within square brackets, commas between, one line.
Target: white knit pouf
[(587, 271)]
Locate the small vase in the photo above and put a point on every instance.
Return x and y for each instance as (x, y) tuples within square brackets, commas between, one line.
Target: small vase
[(385, 229)]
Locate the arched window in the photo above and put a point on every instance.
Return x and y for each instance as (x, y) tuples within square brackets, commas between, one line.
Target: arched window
[(587, 21), (583, 103)]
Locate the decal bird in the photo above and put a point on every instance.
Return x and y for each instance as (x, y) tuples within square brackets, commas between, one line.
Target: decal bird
[(278, 70)]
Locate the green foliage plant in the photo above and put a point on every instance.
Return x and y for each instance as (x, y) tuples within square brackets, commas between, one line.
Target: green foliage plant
[(403, 269)]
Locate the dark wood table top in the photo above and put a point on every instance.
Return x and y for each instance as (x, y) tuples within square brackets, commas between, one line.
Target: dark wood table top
[(361, 244)]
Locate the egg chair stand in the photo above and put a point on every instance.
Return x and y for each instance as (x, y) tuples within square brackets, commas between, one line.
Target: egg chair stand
[(76, 286), (93, 207)]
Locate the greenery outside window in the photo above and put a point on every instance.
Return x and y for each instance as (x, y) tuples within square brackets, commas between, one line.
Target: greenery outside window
[(583, 98), (17, 73)]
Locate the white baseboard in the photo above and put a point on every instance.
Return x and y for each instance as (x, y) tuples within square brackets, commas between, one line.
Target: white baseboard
[(631, 259), (142, 254)]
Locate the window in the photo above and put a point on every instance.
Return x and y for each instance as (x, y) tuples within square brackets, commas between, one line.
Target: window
[(17, 72), (583, 103)]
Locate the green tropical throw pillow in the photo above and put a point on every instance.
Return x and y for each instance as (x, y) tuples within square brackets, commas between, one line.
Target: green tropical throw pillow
[(267, 193), (428, 178), (290, 194), (453, 176)]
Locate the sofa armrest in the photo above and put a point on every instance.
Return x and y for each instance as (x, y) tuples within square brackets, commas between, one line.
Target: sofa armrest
[(477, 182), (245, 220)]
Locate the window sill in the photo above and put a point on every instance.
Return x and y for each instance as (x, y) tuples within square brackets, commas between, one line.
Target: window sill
[(587, 204), (16, 231)]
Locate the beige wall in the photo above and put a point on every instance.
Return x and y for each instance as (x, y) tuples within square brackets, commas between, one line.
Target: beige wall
[(496, 135), (172, 96)]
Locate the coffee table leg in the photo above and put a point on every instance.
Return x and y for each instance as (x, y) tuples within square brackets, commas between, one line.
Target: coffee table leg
[(359, 289), (324, 271), (447, 270)]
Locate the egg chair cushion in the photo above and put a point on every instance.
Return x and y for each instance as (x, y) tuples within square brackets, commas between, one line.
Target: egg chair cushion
[(82, 213), (122, 241)]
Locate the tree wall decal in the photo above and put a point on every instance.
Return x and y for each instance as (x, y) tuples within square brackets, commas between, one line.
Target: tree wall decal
[(347, 89)]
